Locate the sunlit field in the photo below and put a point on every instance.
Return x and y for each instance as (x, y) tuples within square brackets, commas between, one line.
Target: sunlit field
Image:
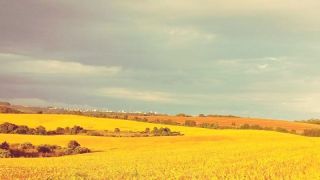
[(199, 154)]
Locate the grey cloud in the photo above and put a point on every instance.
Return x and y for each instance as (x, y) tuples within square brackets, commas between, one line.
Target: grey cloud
[(248, 58)]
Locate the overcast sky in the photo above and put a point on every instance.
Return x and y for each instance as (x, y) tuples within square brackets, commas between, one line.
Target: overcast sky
[(252, 58)]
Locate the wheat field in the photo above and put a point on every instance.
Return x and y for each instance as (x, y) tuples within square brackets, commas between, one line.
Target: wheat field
[(200, 154)]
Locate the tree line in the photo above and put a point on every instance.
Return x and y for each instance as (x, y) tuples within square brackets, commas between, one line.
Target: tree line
[(29, 150), (10, 128)]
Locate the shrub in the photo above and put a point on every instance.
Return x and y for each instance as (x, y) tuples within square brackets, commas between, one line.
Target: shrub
[(208, 125), (41, 130), (32, 131), (68, 151), (205, 125), (155, 131), (29, 150), (21, 130), (117, 130), (312, 132), (168, 121), (165, 131), (73, 144), (4, 153), (26, 146), (147, 130), (293, 131), (76, 130), (190, 123), (4, 145), (94, 133), (7, 127), (44, 148), (183, 115), (279, 129), (60, 130), (245, 126), (67, 130), (80, 150), (202, 115)]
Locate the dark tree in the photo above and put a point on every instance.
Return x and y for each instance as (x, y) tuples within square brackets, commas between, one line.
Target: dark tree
[(4, 145), (22, 130), (7, 127), (41, 130), (147, 130), (44, 149), (117, 130), (76, 130), (155, 131), (73, 144), (60, 130)]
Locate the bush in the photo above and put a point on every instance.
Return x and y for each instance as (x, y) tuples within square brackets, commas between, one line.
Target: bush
[(255, 126), (190, 123), (26, 146), (4, 153), (29, 150), (245, 126), (147, 130), (312, 132), (76, 130), (44, 148), (202, 115), (73, 144), (279, 129), (94, 133), (21, 130), (117, 130), (155, 131), (32, 131), (4, 145), (293, 131), (80, 150), (182, 115), (41, 130), (7, 127), (60, 130), (164, 131)]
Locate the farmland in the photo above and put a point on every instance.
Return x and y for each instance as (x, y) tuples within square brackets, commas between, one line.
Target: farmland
[(233, 122), (200, 154)]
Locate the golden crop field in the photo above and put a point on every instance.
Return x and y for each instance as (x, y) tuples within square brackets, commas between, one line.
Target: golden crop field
[(200, 154)]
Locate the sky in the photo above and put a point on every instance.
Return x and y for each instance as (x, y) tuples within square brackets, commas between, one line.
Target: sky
[(251, 58)]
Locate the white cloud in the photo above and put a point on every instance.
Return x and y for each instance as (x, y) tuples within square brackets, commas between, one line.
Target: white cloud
[(12, 63), (258, 65), (263, 66), (192, 8), (184, 36), (123, 93), (189, 33)]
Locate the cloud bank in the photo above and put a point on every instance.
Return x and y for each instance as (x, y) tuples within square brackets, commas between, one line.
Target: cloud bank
[(249, 58)]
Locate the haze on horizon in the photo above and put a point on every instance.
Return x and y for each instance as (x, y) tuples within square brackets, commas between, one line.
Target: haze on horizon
[(251, 58)]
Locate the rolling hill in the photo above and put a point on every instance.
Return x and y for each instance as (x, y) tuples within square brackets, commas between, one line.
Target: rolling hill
[(200, 154)]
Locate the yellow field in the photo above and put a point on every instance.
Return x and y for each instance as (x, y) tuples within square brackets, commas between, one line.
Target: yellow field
[(200, 154)]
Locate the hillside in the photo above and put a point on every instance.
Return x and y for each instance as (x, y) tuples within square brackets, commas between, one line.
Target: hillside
[(233, 122), (217, 120), (200, 154)]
